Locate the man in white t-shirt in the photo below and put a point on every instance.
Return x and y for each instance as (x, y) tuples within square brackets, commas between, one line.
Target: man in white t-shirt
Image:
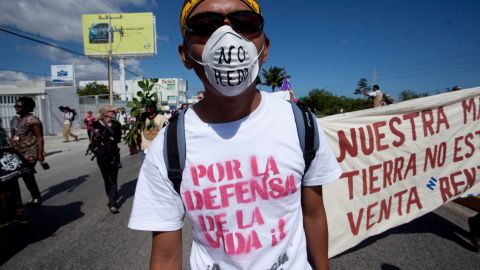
[(376, 95), (122, 118), (243, 186)]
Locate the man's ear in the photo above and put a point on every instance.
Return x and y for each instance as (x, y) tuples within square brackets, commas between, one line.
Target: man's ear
[(265, 50), (182, 51)]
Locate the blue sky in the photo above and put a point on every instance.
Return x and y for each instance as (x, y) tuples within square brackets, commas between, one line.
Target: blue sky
[(423, 45)]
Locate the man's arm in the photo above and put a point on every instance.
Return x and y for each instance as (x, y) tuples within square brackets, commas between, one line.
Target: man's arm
[(166, 251), (315, 224)]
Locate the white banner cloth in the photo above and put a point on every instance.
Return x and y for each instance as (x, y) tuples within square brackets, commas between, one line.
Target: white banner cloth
[(400, 162)]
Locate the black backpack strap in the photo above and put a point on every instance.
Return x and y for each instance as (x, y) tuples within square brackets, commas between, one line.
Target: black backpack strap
[(307, 130), (174, 149)]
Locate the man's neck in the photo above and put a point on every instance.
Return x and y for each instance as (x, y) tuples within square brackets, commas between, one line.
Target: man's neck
[(216, 108)]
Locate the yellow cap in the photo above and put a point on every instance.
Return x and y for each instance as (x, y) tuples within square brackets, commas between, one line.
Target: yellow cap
[(190, 5)]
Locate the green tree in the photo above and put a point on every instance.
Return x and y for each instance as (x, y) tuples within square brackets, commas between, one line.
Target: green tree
[(410, 94), (362, 86), (147, 96), (274, 77), (326, 103), (94, 89)]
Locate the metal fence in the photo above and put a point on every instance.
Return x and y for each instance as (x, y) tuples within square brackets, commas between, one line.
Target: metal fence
[(7, 111), (93, 104)]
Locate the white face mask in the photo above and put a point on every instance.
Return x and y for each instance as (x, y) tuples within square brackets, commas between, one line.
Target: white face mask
[(230, 61)]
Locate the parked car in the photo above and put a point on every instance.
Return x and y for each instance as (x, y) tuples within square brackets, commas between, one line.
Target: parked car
[(98, 33)]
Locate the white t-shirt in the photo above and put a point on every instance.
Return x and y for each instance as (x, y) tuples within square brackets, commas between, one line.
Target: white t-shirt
[(241, 189), (122, 118), (67, 116)]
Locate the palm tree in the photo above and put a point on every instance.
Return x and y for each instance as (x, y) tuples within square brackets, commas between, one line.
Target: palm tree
[(274, 77)]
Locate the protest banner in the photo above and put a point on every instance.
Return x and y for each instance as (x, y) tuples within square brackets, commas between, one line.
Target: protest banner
[(400, 162)]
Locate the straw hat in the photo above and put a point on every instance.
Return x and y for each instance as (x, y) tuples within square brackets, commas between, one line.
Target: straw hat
[(107, 108)]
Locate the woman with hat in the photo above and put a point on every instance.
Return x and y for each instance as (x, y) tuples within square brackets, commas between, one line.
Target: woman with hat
[(109, 132)]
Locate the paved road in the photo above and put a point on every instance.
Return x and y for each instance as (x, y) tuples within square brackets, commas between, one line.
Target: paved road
[(74, 230)]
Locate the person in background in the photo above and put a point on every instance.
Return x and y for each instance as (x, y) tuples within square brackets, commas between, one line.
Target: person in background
[(68, 117), (456, 88), (200, 95), (122, 118), (11, 208), (233, 150), (167, 113), (27, 139), (133, 145), (88, 121), (376, 95), (184, 106), (154, 122), (473, 203), (108, 130)]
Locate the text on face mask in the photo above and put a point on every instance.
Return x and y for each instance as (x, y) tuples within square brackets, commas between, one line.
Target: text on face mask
[(235, 76)]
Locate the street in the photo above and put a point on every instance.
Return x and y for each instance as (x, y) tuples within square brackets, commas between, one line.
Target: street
[(73, 228)]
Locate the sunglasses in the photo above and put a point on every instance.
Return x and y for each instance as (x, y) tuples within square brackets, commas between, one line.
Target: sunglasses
[(245, 22)]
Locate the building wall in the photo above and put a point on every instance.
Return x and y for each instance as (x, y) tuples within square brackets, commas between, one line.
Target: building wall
[(47, 101), (56, 97)]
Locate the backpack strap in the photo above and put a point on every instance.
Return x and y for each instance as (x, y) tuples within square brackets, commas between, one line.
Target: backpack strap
[(307, 130), (174, 149)]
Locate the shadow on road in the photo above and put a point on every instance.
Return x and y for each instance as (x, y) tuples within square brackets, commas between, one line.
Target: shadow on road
[(67, 185), (386, 266), (53, 153), (43, 222), (126, 191), (429, 223)]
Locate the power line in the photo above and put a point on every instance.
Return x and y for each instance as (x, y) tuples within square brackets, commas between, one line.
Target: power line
[(61, 48)]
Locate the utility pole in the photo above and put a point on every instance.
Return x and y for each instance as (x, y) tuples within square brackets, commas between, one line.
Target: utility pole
[(121, 64), (111, 32), (374, 76), (74, 79)]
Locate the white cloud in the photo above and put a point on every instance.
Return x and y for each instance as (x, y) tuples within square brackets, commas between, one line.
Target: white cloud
[(59, 20), (134, 66), (85, 69), (163, 38), (11, 77), (62, 21)]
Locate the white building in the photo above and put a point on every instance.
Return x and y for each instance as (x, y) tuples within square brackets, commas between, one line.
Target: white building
[(47, 100), (171, 91)]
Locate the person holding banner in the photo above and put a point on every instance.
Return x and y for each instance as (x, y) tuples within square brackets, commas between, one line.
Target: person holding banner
[(244, 186), (11, 208), (473, 203), (376, 95)]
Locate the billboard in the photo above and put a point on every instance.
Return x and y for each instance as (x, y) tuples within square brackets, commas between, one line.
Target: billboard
[(62, 73), (132, 34)]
